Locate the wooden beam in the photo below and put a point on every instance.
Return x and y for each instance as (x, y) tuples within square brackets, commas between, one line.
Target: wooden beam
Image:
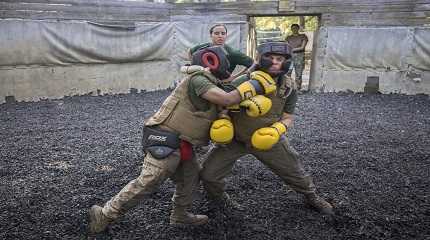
[(240, 8), (117, 3), (78, 12), (336, 11), (79, 8), (41, 9), (99, 16), (287, 5), (357, 2), (376, 19), (358, 8), (363, 6)]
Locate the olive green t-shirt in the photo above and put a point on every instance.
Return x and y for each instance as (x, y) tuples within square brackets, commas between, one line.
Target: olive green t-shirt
[(290, 103), (198, 85), (235, 57)]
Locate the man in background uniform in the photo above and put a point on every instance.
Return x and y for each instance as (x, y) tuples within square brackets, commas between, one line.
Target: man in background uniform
[(298, 43), (184, 120), (264, 137)]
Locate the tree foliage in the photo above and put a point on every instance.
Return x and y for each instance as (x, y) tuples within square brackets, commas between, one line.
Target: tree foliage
[(284, 23)]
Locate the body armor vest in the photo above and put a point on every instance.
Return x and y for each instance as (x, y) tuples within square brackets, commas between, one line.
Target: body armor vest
[(245, 126), (177, 114)]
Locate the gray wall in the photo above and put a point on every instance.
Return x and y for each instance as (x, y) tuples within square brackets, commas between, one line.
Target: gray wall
[(51, 49), (98, 47), (349, 57), (367, 40)]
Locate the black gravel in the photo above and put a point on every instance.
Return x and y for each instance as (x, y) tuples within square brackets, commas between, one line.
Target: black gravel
[(369, 155)]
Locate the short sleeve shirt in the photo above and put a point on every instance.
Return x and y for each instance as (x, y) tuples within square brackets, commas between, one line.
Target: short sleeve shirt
[(296, 40), (235, 57), (197, 86)]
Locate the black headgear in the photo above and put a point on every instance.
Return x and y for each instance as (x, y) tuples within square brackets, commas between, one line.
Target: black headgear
[(280, 48), (215, 58)]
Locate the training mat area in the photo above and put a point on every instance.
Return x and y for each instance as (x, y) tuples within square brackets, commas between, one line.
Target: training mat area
[(369, 155)]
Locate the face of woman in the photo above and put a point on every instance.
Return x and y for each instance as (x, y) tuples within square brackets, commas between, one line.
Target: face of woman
[(218, 35)]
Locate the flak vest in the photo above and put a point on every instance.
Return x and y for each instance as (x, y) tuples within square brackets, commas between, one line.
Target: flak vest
[(177, 114), (245, 126)]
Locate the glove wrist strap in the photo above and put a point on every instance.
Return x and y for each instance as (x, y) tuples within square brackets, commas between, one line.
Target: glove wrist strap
[(280, 127)]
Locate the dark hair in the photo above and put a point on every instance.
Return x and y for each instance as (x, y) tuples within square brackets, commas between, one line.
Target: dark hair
[(217, 25), (295, 25)]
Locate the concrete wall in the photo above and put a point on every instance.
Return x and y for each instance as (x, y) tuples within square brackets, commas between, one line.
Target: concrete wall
[(363, 41), (51, 49), (350, 58), (54, 75)]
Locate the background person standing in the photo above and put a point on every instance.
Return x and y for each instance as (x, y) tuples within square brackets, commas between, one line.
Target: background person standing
[(218, 35), (298, 42)]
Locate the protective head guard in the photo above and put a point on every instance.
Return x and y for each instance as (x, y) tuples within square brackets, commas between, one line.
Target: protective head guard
[(215, 58), (279, 48)]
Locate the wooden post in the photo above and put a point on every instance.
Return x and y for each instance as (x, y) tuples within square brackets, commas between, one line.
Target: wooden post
[(302, 22)]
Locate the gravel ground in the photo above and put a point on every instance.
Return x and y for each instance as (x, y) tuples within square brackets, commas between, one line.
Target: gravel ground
[(369, 155)]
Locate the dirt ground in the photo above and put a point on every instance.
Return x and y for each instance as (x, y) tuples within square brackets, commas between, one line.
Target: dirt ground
[(368, 154)]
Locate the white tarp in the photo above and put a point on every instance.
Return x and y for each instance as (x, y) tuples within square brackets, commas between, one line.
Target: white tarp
[(398, 56), (352, 48), (51, 59), (61, 43), (421, 49), (45, 59)]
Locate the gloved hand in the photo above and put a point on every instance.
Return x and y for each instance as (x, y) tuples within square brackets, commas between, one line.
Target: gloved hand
[(265, 138), (256, 106), (260, 83), (222, 131)]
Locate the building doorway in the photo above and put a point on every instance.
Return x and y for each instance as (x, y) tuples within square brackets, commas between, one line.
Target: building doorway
[(277, 28)]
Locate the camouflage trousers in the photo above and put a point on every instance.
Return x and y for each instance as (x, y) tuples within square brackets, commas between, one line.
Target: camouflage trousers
[(298, 60), (185, 175), (282, 159)]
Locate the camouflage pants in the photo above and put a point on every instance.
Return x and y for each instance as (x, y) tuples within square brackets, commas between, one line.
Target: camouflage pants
[(282, 159), (298, 60), (185, 175)]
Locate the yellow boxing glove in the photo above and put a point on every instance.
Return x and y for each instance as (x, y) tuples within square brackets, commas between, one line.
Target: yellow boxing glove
[(260, 83), (257, 106), (234, 108), (222, 131), (265, 138)]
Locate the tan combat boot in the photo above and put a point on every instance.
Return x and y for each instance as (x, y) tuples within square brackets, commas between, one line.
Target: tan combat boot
[(180, 216), (98, 221), (318, 203)]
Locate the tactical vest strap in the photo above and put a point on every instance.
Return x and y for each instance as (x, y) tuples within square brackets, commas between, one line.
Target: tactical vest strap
[(160, 152), (178, 114)]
